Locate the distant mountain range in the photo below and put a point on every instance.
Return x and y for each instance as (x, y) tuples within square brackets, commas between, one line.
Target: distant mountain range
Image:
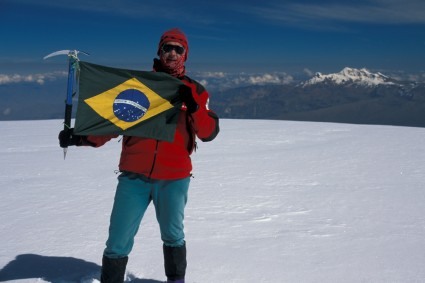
[(350, 96), (350, 76)]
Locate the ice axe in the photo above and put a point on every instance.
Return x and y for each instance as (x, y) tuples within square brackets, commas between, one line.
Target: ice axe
[(72, 70)]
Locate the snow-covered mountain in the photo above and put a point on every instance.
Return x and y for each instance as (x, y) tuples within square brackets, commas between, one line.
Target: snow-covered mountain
[(350, 76)]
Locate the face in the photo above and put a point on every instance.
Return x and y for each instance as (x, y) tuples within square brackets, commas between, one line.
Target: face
[(172, 52)]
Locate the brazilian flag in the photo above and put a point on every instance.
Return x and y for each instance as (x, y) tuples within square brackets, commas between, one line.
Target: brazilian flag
[(127, 102)]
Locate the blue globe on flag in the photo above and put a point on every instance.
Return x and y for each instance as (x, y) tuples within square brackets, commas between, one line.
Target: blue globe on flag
[(130, 105)]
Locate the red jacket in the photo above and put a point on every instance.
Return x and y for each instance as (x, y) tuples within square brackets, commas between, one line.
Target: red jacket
[(168, 160)]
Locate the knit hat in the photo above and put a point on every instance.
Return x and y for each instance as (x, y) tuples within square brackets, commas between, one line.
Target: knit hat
[(175, 35)]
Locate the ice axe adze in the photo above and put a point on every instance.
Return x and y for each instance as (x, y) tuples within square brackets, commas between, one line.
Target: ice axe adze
[(72, 69)]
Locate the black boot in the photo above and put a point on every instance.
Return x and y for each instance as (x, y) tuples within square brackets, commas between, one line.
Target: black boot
[(175, 263), (113, 269)]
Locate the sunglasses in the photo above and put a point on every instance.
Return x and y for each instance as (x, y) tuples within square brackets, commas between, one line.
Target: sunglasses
[(168, 47)]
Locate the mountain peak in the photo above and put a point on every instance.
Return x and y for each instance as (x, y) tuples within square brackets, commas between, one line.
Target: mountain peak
[(351, 76)]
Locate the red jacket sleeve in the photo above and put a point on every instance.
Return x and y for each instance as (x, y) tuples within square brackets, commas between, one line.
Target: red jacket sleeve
[(205, 122), (97, 141)]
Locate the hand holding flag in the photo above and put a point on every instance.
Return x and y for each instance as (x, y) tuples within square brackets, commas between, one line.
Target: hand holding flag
[(187, 97)]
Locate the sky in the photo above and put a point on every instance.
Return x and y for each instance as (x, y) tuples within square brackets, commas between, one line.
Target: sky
[(224, 35)]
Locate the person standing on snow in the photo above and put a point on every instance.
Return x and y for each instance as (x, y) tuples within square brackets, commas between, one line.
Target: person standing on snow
[(157, 171)]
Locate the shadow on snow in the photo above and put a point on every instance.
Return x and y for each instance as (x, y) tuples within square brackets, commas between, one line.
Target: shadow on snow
[(54, 269)]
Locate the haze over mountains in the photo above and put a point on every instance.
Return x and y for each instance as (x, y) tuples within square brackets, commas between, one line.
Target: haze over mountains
[(350, 96)]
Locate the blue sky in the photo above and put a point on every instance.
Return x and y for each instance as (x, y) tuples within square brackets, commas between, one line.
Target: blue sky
[(224, 35)]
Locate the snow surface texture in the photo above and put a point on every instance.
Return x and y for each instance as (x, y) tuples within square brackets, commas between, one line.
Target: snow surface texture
[(350, 75), (271, 201)]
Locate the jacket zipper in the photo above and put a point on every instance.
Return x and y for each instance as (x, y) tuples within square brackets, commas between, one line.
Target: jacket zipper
[(154, 159)]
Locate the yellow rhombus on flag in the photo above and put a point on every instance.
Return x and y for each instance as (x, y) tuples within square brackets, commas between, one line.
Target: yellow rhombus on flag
[(103, 103)]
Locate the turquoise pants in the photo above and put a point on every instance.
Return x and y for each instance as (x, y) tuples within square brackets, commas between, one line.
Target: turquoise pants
[(133, 195)]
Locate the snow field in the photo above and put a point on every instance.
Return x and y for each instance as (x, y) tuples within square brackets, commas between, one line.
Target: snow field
[(270, 201)]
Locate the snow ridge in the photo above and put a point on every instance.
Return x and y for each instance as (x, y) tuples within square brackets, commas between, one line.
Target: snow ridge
[(351, 76)]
